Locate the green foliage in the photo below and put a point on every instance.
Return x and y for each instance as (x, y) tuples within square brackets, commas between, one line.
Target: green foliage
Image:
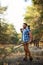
[(34, 17), (8, 33), (38, 2)]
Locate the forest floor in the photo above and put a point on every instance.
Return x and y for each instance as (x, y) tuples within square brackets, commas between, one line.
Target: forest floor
[(16, 58)]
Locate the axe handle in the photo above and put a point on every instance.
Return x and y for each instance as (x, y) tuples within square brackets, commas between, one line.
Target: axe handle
[(18, 46)]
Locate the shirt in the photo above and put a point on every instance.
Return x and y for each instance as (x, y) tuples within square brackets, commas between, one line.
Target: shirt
[(25, 35)]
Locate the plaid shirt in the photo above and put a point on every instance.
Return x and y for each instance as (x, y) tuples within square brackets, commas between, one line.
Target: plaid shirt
[(25, 35)]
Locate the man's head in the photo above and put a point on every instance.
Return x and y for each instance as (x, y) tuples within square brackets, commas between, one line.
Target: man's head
[(24, 25)]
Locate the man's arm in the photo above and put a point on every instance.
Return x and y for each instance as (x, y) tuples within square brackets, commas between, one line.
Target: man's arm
[(31, 37)]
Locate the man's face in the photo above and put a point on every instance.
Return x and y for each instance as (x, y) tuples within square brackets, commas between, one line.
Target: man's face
[(24, 26)]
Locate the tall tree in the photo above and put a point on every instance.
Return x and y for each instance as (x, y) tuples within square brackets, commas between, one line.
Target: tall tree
[(8, 33), (39, 5), (34, 18)]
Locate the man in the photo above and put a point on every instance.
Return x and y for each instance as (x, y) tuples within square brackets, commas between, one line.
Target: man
[(26, 37)]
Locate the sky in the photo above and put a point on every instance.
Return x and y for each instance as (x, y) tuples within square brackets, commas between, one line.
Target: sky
[(15, 11)]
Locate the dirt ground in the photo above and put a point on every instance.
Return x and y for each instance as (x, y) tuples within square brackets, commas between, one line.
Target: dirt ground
[(8, 56)]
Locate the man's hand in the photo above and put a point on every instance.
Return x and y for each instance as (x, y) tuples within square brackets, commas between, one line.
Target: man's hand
[(21, 29), (30, 40)]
